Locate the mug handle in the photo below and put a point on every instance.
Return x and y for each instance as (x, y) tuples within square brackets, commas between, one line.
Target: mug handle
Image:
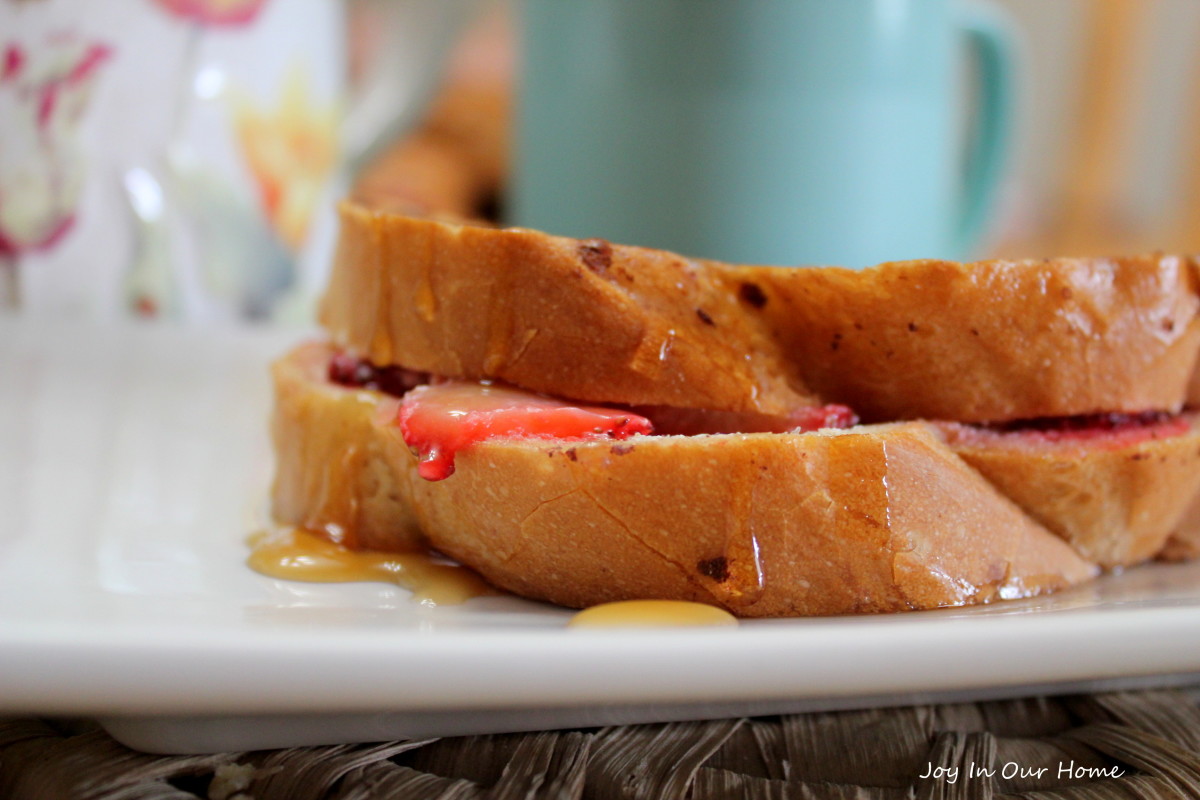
[(991, 39), (402, 76)]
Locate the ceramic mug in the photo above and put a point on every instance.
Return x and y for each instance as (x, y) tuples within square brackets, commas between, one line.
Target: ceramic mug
[(763, 131), (182, 157)]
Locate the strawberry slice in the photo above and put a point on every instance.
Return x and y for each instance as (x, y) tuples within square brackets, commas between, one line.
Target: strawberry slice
[(814, 418), (439, 420)]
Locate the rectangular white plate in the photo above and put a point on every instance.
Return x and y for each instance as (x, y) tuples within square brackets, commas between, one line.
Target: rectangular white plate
[(134, 462)]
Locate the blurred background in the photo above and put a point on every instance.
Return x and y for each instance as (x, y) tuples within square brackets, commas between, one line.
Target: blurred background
[(1107, 152), (1106, 157)]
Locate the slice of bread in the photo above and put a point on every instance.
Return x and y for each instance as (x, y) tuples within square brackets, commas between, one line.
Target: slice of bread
[(574, 319), (868, 520), (1115, 504), (983, 342), (871, 519), (990, 341), (334, 473)]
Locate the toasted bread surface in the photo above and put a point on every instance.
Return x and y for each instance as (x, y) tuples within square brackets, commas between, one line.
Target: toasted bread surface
[(1116, 506), (990, 341), (760, 524), (576, 319), (333, 473), (878, 518)]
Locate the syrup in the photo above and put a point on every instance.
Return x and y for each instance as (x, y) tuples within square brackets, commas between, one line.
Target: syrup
[(298, 555), (652, 614)]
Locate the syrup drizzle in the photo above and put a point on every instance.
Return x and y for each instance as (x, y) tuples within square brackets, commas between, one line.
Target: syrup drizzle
[(299, 555), (652, 614)]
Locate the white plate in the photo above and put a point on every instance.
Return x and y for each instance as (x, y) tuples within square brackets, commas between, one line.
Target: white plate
[(134, 462)]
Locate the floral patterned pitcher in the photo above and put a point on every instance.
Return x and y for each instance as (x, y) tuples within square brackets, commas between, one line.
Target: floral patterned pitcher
[(181, 158)]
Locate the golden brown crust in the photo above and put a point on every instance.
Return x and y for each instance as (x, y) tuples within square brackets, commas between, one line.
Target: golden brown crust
[(576, 319), (990, 341), (996, 340), (760, 524), (1115, 506), (875, 519), (333, 473)]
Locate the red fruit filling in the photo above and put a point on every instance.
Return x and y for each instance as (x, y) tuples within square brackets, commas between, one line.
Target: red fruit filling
[(814, 418), (1112, 430), (440, 417), (347, 370), (438, 421), (693, 421)]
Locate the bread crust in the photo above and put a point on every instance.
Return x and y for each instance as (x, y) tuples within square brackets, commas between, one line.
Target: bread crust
[(1115, 506), (880, 518), (994, 340), (577, 319), (763, 525), (333, 473), (991, 341)]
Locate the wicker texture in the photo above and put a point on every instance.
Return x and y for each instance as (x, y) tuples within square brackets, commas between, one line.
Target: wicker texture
[(1143, 745)]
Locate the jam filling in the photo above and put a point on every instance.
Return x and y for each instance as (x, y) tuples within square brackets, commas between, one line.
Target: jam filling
[(439, 421), (354, 373), (440, 417), (1113, 429), (695, 421)]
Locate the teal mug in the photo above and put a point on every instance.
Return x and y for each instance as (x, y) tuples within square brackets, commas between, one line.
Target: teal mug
[(764, 131)]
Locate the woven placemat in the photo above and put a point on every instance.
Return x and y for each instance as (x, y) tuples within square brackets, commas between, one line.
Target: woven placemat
[(1121, 745)]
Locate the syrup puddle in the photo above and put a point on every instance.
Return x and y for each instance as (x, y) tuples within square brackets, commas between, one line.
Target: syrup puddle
[(298, 555), (652, 614)]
